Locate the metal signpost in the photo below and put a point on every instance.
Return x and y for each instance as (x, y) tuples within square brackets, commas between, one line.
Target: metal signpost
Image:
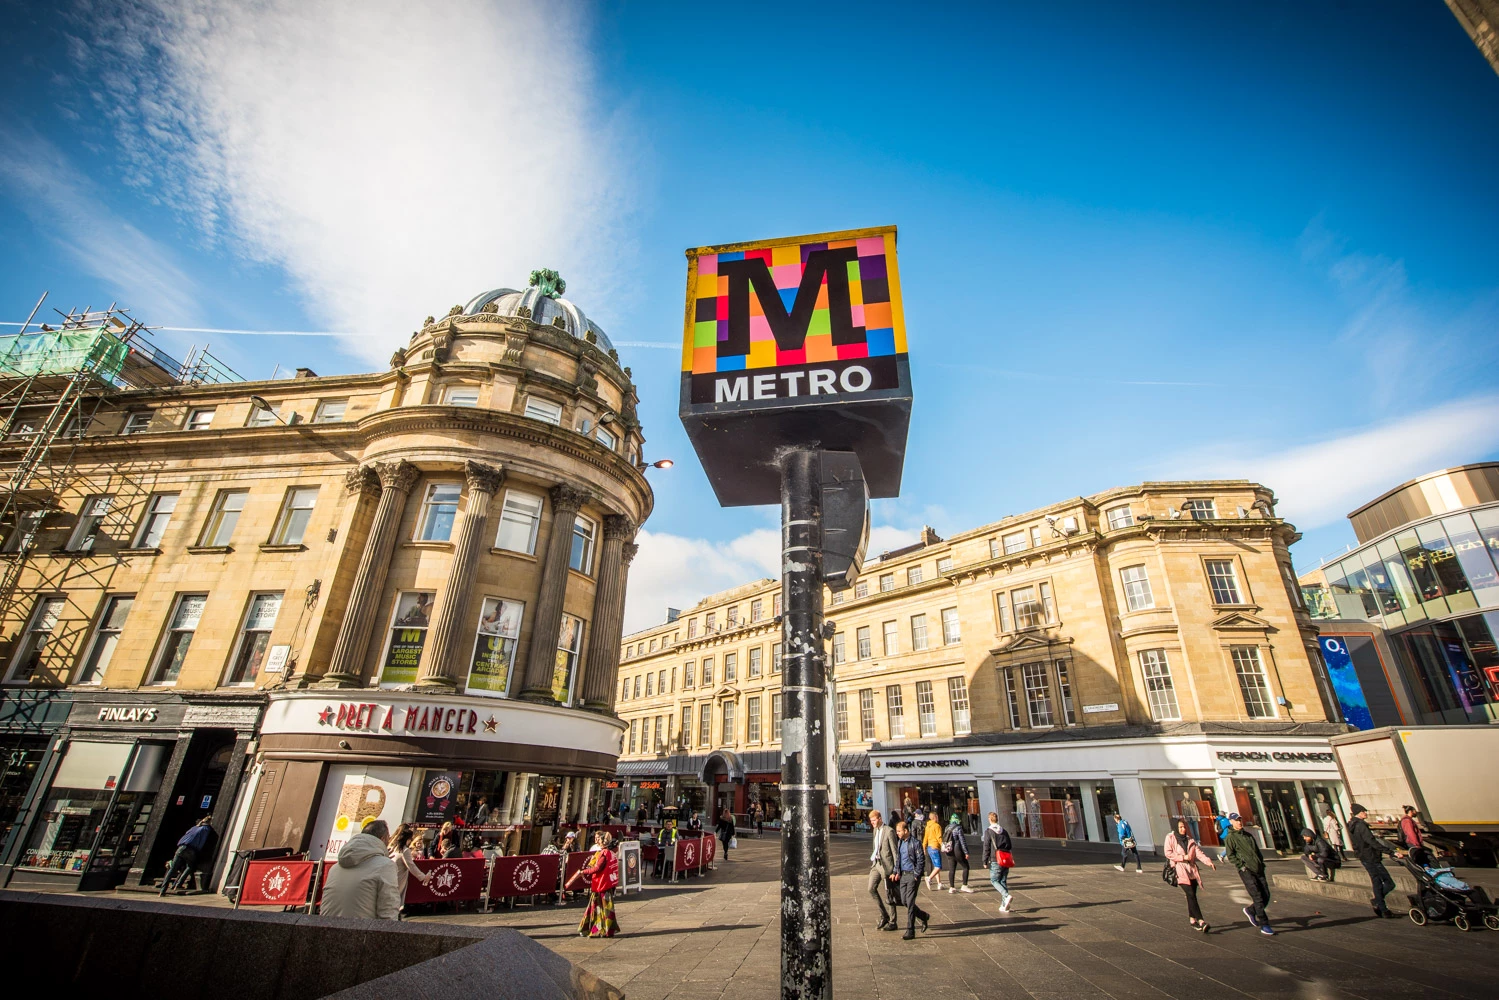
[(796, 387)]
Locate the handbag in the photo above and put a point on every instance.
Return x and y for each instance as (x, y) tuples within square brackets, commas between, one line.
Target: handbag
[(1168, 874), (1006, 859), (1128, 843)]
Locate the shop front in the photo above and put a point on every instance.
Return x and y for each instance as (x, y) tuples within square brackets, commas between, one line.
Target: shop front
[(131, 773), (29, 725), (509, 773), (1069, 790)]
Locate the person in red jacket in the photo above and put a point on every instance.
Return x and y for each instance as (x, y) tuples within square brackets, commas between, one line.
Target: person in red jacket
[(602, 872)]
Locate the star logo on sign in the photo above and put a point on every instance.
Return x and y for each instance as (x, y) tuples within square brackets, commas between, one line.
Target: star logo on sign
[(275, 883), (689, 855), (491, 724), (324, 716), (527, 874), (445, 880)]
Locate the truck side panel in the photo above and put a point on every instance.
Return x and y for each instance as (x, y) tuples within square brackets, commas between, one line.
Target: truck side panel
[(1375, 776), (1455, 767)]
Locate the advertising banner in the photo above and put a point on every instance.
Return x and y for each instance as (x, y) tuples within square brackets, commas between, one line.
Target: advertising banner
[(687, 853), (710, 850), (449, 880), (275, 883), (353, 796), (631, 870), (1345, 683), (576, 862), (439, 797), (525, 875), (494, 648), (408, 636)]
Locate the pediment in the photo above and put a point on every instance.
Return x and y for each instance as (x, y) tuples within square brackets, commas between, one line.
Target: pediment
[(1241, 621), (1030, 642), (726, 691)]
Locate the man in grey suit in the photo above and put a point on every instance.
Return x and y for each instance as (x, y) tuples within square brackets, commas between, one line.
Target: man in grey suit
[(882, 861)]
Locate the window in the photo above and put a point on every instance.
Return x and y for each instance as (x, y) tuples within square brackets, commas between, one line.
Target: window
[(652, 646), (1292, 586), (1012, 698), (1120, 517), (408, 636), (661, 681), (757, 610), (705, 725), (752, 719), (200, 419), (1014, 542), (1252, 683), (1064, 691), (544, 410), (296, 511), (775, 658), (993, 548), (926, 708), (1048, 607), (840, 648), (439, 509), (889, 641), (1137, 593), (1037, 694), (918, 632), (28, 658), (223, 517), (180, 629), (1160, 692), (944, 565), (691, 628), (1035, 536), (634, 732), (467, 395), (639, 680), (1223, 582), (952, 631), (1028, 611), (154, 525), (957, 695), (837, 597), (260, 416), (254, 638), (913, 576), (895, 712), (1004, 612), (707, 671), (684, 736), (138, 422), (775, 605), (776, 712), (650, 683), (887, 582), (585, 532), (330, 411), (732, 615), (729, 735), (606, 438), (106, 637), (863, 650), (730, 667), (866, 714), (756, 655), (861, 589), (90, 519), (624, 689), (840, 715), (1200, 510), (569, 648), (662, 735), (77, 427), (688, 672)]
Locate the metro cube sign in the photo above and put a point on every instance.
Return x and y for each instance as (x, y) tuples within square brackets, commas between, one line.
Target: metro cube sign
[(791, 326)]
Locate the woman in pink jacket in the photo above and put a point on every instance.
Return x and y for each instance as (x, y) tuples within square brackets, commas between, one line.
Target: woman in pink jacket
[(1184, 853)]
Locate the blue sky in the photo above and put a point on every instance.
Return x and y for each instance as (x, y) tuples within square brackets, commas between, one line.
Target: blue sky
[(1149, 242)]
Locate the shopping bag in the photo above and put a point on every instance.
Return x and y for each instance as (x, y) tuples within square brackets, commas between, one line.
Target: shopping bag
[(733, 843)]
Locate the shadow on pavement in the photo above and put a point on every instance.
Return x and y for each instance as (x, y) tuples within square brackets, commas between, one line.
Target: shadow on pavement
[(641, 934)]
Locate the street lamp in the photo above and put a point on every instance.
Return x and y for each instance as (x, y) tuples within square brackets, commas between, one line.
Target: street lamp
[(261, 402), (663, 463)]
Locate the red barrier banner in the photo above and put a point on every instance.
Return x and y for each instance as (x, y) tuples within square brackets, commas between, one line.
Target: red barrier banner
[(576, 862), (525, 875), (710, 849), (448, 880), (687, 853), (275, 883)]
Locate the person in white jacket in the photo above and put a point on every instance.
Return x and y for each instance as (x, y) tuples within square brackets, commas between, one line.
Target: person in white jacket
[(363, 881)]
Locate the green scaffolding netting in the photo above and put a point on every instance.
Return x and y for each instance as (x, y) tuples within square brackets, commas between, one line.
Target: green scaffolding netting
[(62, 353)]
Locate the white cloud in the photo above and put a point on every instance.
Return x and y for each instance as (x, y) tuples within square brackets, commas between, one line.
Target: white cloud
[(393, 158), (67, 209), (1319, 483)]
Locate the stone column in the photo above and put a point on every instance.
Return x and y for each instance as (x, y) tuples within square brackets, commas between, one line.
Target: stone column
[(442, 667), (346, 666), (602, 665), (547, 622)]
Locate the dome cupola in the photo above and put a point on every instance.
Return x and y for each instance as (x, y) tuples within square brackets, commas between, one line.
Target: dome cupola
[(541, 302)]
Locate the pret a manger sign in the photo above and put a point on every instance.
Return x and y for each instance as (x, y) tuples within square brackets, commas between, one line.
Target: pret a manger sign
[(805, 335)]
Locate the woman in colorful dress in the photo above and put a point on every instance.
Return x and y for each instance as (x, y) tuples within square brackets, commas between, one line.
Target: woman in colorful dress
[(602, 872)]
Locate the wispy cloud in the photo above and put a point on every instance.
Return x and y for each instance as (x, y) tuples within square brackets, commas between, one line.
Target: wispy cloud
[(1320, 482), (67, 208), (392, 158)]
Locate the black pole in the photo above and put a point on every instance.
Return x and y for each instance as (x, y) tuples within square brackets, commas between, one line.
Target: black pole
[(806, 919)]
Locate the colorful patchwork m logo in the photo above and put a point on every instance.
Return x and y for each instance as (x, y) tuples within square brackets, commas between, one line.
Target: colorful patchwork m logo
[(789, 328)]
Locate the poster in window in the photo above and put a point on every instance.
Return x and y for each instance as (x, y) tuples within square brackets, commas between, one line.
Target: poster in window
[(439, 797), (494, 648), (569, 644), (1345, 682), (408, 635)]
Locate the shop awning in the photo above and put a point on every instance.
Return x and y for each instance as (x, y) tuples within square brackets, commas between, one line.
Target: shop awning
[(853, 763), (641, 769)]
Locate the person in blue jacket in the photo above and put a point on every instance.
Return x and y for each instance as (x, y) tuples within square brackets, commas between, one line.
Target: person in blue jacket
[(1127, 845), (195, 843)]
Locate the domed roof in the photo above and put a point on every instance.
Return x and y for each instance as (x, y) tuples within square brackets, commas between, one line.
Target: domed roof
[(544, 300)]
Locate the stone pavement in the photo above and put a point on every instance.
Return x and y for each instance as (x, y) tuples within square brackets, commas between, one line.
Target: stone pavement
[(1078, 929)]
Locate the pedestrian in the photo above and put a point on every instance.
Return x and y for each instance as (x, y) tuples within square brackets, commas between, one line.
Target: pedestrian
[(1370, 851), (1333, 831), (1223, 825), (640, 817), (192, 845), (955, 846), (910, 870), (1127, 845), (1410, 829), (695, 824), (602, 872), (1182, 853), (1320, 857), (1244, 854), (725, 830), (449, 844), (759, 820), (363, 882), (399, 850), (998, 858), (931, 840), (882, 864)]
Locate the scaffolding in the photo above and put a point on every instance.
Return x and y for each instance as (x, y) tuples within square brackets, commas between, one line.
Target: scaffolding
[(55, 382)]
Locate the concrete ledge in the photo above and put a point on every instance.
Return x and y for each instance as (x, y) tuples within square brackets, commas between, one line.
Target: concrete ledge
[(1352, 884)]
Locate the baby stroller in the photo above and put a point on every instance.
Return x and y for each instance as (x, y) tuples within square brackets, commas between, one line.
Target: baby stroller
[(1441, 895)]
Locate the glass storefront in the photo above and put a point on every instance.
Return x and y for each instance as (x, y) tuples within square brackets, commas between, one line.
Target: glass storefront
[(1198, 805), (944, 798)]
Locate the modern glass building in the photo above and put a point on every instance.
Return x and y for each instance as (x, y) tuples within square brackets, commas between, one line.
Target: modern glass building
[(1421, 589)]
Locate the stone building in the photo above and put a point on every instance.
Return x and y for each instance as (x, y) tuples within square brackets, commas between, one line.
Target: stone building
[(1116, 651), (405, 586)]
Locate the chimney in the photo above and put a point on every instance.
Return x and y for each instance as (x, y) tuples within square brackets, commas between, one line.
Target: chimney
[(305, 373), (928, 536)]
